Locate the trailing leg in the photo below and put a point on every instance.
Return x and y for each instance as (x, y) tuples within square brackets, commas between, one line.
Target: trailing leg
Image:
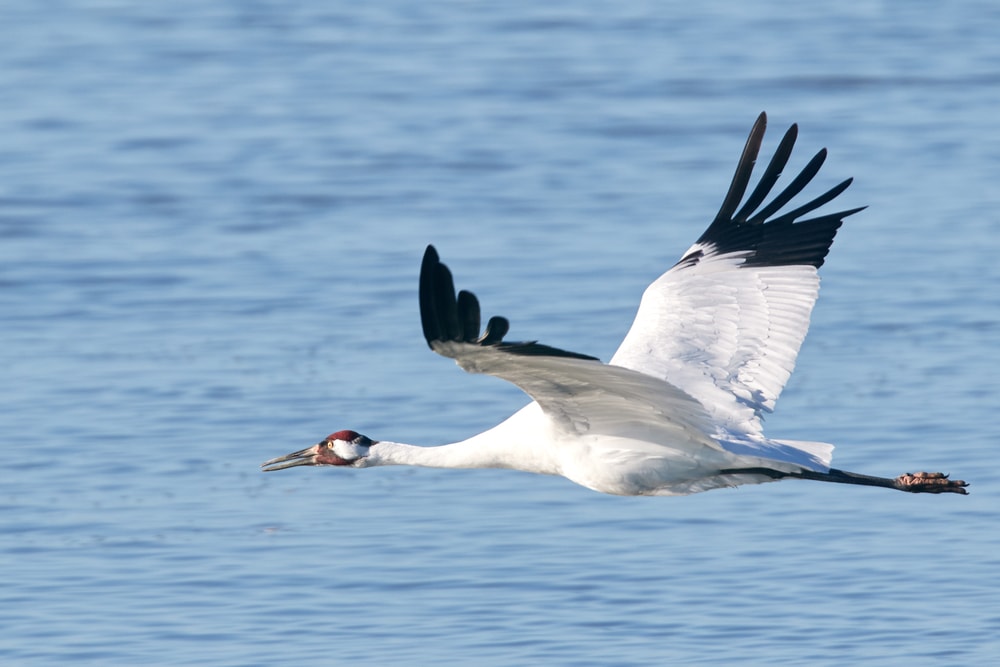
[(917, 482)]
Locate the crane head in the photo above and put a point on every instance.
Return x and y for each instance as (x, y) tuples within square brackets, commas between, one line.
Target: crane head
[(343, 448)]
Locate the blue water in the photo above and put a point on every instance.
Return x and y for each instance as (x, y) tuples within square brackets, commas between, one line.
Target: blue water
[(211, 221)]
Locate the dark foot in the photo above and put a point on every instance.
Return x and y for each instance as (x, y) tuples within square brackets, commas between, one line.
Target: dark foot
[(929, 482)]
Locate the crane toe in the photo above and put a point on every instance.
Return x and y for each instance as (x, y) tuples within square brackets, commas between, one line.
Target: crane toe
[(930, 482)]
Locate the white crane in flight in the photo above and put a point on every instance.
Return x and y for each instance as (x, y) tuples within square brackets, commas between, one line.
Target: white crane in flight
[(678, 408)]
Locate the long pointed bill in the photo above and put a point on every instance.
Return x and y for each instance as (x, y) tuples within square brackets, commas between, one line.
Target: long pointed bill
[(303, 457)]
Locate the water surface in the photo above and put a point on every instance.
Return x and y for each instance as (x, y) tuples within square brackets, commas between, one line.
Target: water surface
[(211, 222)]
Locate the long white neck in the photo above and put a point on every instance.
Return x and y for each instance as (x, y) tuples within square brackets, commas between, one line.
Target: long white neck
[(456, 455), (504, 446)]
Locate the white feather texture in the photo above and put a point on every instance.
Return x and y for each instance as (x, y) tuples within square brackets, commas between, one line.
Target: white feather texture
[(727, 335)]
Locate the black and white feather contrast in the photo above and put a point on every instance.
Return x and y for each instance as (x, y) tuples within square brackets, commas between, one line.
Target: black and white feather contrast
[(768, 239)]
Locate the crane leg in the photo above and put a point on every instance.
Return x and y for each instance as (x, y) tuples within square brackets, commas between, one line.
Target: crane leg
[(917, 482)]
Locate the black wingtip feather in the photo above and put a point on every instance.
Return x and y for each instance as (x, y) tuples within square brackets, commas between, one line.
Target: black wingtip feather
[(428, 309), (769, 240), (468, 312), (447, 318), (496, 329), (771, 174), (738, 186)]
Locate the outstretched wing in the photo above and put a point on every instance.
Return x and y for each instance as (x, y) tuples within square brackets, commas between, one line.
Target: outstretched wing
[(726, 322), (578, 392)]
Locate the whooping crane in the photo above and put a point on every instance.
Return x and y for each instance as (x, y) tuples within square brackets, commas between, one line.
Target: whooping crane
[(678, 408)]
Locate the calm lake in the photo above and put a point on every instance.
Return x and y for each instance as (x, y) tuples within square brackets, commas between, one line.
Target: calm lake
[(211, 223)]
